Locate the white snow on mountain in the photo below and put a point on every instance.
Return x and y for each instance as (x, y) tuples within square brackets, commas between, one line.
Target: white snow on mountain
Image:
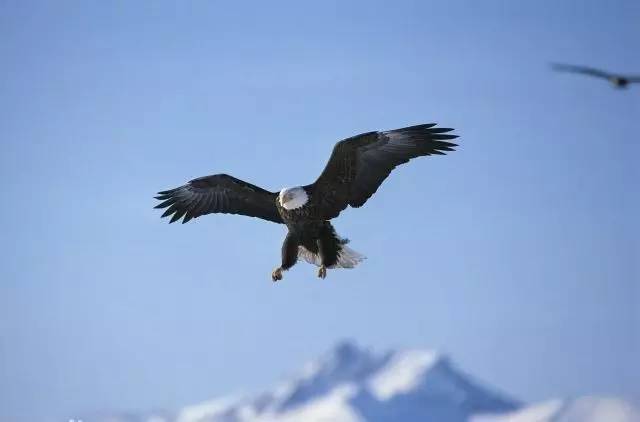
[(401, 374), (203, 410), (583, 409), (352, 384), (540, 412)]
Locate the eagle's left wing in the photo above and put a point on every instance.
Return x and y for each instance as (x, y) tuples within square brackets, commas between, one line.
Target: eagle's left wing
[(359, 165), (585, 70), (219, 193)]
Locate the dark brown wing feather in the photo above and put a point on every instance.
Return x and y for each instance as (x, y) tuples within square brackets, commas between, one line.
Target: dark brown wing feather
[(219, 193), (581, 69), (360, 164)]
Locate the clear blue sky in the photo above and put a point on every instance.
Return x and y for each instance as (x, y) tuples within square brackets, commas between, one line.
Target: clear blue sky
[(517, 255)]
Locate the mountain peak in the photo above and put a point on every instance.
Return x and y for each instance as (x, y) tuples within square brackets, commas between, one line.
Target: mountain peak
[(344, 363), (350, 383), (348, 349), (345, 357)]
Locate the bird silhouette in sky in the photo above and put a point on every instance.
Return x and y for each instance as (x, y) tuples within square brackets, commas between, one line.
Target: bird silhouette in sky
[(619, 81)]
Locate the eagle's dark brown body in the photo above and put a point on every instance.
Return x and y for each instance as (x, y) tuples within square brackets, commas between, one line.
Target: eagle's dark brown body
[(308, 229)]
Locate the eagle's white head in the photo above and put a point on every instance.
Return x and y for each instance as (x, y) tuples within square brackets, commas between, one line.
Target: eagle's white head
[(292, 198)]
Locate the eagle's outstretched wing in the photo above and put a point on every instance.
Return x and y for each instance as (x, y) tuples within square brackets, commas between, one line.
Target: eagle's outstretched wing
[(359, 165), (581, 69), (219, 193)]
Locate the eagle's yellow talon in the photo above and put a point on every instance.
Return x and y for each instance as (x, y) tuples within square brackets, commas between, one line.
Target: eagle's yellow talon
[(276, 274), (322, 271)]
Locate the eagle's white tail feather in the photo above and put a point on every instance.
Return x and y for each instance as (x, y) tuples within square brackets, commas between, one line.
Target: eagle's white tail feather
[(308, 256), (347, 257)]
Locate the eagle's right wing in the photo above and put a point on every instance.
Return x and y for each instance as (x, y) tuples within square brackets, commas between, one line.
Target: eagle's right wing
[(359, 165), (581, 69), (219, 193)]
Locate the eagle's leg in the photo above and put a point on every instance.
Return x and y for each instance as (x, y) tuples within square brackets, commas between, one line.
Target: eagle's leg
[(328, 247), (289, 256), (322, 253)]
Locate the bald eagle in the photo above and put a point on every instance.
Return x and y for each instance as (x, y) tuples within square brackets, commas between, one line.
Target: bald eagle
[(356, 168), (619, 81)]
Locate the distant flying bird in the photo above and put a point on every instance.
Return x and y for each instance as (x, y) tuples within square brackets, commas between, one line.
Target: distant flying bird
[(356, 168), (619, 81)]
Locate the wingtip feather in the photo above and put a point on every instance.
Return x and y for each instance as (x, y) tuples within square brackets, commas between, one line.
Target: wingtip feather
[(440, 137), (167, 192)]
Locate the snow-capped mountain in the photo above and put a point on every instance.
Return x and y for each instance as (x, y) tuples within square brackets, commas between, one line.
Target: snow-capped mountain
[(352, 384)]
